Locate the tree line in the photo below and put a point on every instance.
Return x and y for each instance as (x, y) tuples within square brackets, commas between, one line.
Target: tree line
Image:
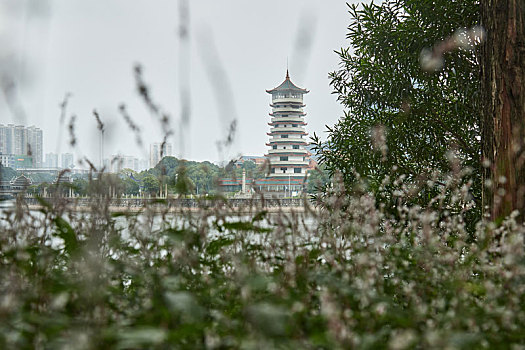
[(176, 175)]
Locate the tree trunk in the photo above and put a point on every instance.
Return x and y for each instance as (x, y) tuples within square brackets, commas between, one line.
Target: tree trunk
[(503, 103)]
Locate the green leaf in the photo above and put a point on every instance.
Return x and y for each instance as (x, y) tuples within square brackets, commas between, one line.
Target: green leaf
[(215, 246), (244, 226), (66, 232)]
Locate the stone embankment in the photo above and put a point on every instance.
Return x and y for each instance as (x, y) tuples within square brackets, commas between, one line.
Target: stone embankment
[(298, 205)]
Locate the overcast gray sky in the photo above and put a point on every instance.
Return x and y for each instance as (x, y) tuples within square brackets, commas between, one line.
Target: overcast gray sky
[(236, 49)]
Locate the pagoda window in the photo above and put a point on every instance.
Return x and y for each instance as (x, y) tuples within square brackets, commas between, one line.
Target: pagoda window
[(297, 170), (274, 146), (284, 169), (294, 125), (273, 171), (283, 159), (285, 115), (284, 136), (295, 146)]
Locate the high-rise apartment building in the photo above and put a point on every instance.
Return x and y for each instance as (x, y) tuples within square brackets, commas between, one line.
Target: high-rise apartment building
[(21, 141), (35, 145), (143, 164), (119, 162), (51, 160), (157, 152), (11, 139), (7, 160), (5, 139), (67, 160)]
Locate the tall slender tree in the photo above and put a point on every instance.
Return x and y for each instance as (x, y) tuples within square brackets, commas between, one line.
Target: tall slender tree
[(503, 108)]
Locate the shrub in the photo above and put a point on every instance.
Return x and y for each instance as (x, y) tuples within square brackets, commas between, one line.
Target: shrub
[(350, 275)]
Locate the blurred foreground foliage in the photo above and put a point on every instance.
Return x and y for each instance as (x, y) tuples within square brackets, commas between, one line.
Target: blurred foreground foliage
[(352, 275)]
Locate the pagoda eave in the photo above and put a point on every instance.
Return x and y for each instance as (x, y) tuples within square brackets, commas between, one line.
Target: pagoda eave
[(286, 133), (288, 142), (300, 114), (287, 122), (291, 102), (289, 165), (286, 154)]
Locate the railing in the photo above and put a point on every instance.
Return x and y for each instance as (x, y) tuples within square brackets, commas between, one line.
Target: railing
[(290, 129), (287, 99), (177, 202)]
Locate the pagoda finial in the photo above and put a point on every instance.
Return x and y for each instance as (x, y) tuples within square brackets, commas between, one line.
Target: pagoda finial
[(287, 75)]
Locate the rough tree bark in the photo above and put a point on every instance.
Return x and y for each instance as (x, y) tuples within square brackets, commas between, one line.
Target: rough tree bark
[(503, 106)]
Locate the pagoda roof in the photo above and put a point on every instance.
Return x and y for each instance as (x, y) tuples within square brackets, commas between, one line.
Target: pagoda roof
[(287, 85), (278, 122), (281, 141), (285, 132), (283, 114), (21, 180)]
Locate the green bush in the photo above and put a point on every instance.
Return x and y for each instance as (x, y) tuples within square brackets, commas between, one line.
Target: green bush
[(351, 275)]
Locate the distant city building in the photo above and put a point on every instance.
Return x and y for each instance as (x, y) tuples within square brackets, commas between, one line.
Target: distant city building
[(157, 152), (22, 161), (7, 160), (51, 160), (19, 140), (119, 162), (130, 162), (67, 160), (143, 164), (6, 139), (35, 145)]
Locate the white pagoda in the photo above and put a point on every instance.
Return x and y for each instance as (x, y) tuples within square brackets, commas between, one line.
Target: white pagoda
[(288, 156)]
